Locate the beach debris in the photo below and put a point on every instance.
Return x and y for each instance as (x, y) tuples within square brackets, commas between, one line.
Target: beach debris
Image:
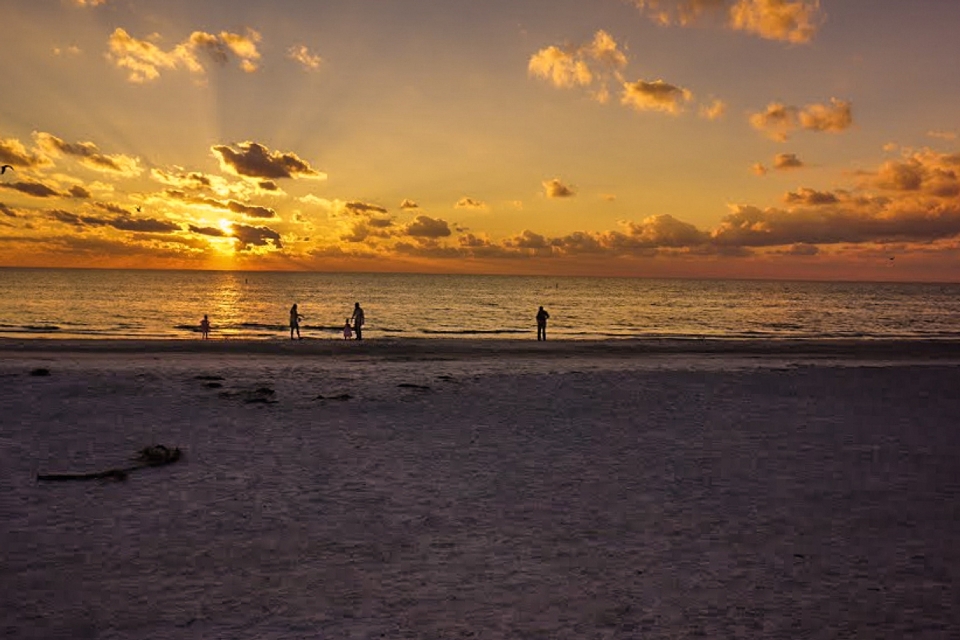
[(410, 385), (261, 395), (158, 454), (40, 372), (152, 456), (211, 382), (341, 397)]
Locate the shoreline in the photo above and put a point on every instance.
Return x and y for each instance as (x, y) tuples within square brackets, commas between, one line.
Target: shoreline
[(939, 350)]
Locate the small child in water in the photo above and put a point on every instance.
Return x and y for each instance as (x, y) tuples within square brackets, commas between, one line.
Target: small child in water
[(205, 327), (347, 331)]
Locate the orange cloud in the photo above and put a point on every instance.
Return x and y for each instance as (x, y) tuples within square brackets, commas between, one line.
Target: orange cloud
[(655, 96), (144, 60), (556, 189), (253, 160), (714, 110), (778, 121), (787, 161), (89, 155), (572, 66), (470, 203), (13, 152), (300, 53), (427, 227), (794, 21), (30, 188)]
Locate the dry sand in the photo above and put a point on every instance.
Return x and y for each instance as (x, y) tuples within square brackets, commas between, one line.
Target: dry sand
[(482, 489)]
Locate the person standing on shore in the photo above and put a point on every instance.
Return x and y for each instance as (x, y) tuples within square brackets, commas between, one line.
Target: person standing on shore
[(295, 319), (542, 316), (357, 318), (205, 327)]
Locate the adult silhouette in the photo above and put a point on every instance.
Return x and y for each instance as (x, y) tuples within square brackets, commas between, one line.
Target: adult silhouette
[(295, 319), (542, 316), (357, 318)]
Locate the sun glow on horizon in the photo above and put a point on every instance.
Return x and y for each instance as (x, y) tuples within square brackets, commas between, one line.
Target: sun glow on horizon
[(162, 136)]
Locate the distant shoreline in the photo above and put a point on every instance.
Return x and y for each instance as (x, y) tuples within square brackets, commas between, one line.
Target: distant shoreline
[(940, 350)]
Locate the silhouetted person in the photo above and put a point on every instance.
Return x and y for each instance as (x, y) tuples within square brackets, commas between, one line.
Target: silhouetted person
[(542, 316), (347, 330), (205, 327), (357, 318), (295, 319)]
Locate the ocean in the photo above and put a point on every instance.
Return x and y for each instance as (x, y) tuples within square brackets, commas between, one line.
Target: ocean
[(111, 304)]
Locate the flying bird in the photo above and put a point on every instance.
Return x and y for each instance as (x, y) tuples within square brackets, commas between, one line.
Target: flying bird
[(138, 208), (4, 168)]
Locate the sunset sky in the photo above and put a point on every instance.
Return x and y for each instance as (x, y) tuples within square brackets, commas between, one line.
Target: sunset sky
[(704, 138)]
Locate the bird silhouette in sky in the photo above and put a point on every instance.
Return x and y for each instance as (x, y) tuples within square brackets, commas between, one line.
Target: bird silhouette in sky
[(4, 168), (138, 208)]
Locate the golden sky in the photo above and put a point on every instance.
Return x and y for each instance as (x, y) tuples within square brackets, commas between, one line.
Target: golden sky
[(702, 138)]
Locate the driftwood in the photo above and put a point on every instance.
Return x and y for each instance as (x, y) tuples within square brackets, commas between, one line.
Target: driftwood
[(153, 456)]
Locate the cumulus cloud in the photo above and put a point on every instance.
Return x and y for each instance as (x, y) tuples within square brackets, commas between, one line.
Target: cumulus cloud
[(89, 155), (787, 161), (144, 60), (79, 192), (248, 237), (923, 172), (527, 239), (759, 169), (556, 189), (663, 231), (427, 227), (778, 121), (242, 208), (71, 50), (580, 66), (836, 116), (30, 188), (13, 152), (810, 197), (215, 232), (777, 19), (112, 208), (253, 160), (470, 203), (794, 21), (122, 222), (409, 204), (250, 210), (301, 53), (655, 96), (922, 205), (714, 110), (363, 208), (182, 180), (845, 222)]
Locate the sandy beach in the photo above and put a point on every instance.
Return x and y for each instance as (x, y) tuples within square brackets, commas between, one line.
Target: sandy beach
[(481, 489)]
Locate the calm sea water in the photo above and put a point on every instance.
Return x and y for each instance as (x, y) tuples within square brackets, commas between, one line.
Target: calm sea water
[(71, 303)]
